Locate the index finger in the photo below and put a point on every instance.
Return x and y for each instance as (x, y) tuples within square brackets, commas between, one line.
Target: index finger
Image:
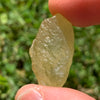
[(80, 13)]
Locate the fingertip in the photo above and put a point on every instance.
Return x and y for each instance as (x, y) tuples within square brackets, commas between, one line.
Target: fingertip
[(29, 92), (37, 92), (78, 12)]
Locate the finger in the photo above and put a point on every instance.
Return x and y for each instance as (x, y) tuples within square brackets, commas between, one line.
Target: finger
[(79, 12), (37, 92)]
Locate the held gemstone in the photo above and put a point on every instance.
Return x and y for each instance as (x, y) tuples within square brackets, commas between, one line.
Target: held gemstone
[(52, 51)]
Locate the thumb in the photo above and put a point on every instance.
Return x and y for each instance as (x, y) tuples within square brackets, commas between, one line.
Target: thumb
[(37, 92), (79, 12)]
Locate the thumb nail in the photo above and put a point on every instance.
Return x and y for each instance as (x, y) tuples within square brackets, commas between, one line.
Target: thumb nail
[(30, 94)]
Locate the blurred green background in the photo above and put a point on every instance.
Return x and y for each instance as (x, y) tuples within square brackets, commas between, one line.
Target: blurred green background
[(19, 23)]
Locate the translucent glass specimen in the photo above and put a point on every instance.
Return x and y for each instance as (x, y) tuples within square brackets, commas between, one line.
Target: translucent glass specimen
[(52, 51)]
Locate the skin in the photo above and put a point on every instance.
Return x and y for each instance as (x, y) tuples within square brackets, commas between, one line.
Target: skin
[(49, 93), (80, 13)]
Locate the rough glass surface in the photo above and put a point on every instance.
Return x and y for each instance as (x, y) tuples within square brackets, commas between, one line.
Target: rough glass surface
[(52, 51)]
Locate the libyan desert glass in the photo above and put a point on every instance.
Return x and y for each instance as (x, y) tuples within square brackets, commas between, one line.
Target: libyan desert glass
[(52, 51)]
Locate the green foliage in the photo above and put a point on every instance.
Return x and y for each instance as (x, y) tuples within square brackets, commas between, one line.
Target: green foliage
[(19, 23)]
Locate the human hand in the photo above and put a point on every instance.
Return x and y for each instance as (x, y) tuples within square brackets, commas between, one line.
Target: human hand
[(79, 13), (37, 92)]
